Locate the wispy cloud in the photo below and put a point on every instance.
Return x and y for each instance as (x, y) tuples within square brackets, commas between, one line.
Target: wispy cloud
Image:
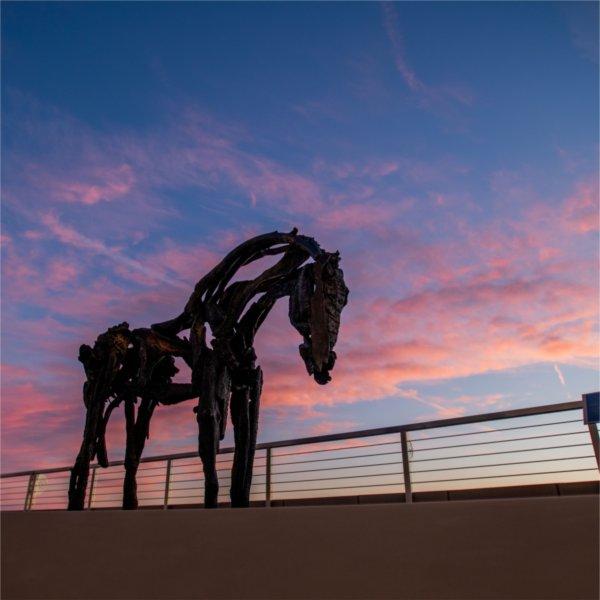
[(70, 236), (392, 29), (103, 186), (440, 99), (582, 22), (560, 375)]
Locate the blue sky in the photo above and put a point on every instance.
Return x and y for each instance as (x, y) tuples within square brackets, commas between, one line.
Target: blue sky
[(448, 150)]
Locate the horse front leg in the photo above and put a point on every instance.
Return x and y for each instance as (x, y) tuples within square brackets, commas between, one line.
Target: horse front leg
[(79, 478), (245, 401), (81, 468), (208, 447), (137, 433), (131, 463)]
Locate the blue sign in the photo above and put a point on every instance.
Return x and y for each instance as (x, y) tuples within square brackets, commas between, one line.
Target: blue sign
[(591, 407)]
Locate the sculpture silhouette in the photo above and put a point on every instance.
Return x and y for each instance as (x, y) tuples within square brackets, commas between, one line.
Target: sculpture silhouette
[(128, 364)]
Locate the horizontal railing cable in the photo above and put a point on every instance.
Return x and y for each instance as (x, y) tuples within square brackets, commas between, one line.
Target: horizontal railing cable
[(414, 460), (531, 437), (334, 478), (345, 487), (298, 462), (336, 449), (523, 462), (506, 475), (336, 468), (439, 437)]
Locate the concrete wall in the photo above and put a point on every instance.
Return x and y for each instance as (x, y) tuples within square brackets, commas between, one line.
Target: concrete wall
[(513, 548), (574, 488)]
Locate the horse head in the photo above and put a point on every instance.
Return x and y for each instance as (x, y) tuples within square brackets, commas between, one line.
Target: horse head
[(316, 305)]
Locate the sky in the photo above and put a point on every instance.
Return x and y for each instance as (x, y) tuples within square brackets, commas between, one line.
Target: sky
[(449, 151)]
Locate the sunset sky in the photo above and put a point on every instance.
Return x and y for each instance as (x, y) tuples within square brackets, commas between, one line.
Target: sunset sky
[(449, 151)]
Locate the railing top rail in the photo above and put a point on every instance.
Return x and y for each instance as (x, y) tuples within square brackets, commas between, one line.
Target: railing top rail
[(417, 426)]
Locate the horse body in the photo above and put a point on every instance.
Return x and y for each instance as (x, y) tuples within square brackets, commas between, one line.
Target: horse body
[(125, 365)]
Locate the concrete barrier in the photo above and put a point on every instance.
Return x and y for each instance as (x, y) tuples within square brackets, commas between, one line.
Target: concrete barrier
[(515, 548)]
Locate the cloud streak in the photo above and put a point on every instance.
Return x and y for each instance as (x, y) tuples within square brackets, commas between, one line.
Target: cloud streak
[(390, 22), (439, 98), (560, 375), (70, 236)]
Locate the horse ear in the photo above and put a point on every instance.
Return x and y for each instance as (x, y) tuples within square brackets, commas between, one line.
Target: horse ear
[(85, 353)]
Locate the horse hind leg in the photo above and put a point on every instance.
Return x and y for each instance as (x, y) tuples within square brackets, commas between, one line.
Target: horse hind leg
[(253, 410), (209, 428)]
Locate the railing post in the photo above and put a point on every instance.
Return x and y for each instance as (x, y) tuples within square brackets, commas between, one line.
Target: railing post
[(91, 488), (30, 491), (268, 484), (595, 441), (591, 416), (406, 467), (167, 484)]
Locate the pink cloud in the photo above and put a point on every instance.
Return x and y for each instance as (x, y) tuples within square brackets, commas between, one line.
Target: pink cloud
[(14, 372), (104, 185), (61, 272), (582, 209), (495, 300), (191, 151), (358, 216), (26, 405), (185, 263), (324, 427)]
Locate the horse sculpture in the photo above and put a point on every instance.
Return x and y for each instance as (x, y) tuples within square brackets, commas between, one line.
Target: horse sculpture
[(125, 364)]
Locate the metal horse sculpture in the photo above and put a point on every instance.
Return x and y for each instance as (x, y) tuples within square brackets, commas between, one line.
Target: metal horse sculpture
[(125, 364)]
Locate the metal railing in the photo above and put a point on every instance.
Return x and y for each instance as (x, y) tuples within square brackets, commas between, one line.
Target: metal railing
[(543, 444)]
